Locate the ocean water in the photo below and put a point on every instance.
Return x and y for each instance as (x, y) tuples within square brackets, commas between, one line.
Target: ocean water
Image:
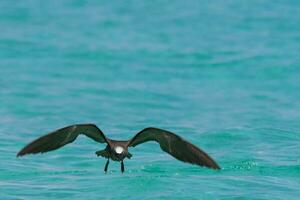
[(225, 75)]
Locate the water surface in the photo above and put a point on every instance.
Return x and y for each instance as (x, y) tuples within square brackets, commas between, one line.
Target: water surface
[(223, 74)]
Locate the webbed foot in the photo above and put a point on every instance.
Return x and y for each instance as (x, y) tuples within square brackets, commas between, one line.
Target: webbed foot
[(122, 167), (106, 166)]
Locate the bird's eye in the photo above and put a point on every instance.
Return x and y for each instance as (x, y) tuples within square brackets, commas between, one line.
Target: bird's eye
[(119, 149)]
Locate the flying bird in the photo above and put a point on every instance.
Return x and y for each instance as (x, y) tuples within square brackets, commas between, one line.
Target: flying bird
[(118, 150)]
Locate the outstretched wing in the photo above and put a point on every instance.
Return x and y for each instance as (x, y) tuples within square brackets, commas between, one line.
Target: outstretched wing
[(61, 137), (175, 146)]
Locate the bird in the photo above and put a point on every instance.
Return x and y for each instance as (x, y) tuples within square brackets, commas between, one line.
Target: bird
[(117, 150)]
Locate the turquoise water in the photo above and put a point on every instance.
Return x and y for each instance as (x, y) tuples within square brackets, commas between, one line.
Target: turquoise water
[(223, 74)]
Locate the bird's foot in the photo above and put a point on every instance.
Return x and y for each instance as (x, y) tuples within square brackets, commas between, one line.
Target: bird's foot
[(122, 167), (106, 166)]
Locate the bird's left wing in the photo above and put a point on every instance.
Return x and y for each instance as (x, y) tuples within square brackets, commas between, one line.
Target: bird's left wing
[(175, 146), (63, 136)]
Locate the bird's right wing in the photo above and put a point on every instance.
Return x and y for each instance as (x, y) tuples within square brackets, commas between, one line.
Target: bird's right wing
[(175, 146), (63, 136)]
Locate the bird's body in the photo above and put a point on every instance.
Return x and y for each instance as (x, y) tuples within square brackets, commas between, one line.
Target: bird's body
[(118, 150), (115, 150)]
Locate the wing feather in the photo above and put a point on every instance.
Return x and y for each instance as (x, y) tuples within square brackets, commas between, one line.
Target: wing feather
[(61, 137), (175, 146)]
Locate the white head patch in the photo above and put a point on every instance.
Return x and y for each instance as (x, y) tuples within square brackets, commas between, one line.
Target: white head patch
[(119, 149)]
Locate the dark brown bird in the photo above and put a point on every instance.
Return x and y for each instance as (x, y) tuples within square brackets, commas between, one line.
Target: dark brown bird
[(118, 150)]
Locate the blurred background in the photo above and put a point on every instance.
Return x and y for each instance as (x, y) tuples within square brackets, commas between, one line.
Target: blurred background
[(223, 74)]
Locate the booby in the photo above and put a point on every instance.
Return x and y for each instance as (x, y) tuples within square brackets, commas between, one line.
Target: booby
[(117, 150)]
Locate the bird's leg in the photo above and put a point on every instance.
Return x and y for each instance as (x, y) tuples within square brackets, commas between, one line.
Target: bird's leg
[(122, 167), (106, 166)]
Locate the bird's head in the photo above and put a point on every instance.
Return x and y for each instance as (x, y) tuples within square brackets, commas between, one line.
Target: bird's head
[(120, 152)]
